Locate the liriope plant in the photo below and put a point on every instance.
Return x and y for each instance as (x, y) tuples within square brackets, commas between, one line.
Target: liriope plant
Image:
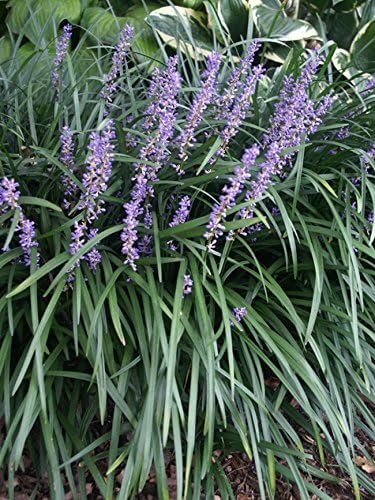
[(171, 243)]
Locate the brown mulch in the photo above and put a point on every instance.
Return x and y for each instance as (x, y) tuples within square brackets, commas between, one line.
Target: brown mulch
[(239, 470)]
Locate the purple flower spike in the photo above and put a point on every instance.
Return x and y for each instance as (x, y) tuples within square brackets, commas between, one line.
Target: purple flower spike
[(294, 117), (118, 59), (188, 285), (95, 183), (240, 108), (62, 45), (26, 228), (160, 113), (93, 258), (182, 213), (228, 199), (226, 101), (98, 171), (9, 194), (201, 100), (370, 84), (9, 197), (67, 159), (78, 238)]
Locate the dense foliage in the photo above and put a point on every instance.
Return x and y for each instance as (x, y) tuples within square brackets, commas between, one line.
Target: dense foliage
[(172, 241), (197, 26)]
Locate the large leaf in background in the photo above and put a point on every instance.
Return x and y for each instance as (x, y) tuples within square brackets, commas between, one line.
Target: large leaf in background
[(36, 18), (368, 13), (102, 25), (346, 5), (145, 43), (182, 27), (342, 61), (191, 4), (363, 48), (5, 49), (271, 21), (234, 13), (342, 27)]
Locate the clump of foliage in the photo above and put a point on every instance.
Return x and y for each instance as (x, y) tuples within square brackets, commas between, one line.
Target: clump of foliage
[(170, 242), (198, 26)]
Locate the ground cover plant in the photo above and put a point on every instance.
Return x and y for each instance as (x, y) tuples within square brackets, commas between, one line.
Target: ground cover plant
[(171, 242)]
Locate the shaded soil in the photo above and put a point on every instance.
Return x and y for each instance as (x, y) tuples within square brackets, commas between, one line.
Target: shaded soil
[(239, 470)]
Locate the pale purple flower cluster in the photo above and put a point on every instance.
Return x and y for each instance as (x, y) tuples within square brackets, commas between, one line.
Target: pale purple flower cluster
[(62, 45), (67, 159), (294, 117), (239, 110), (370, 84), (188, 285), (161, 113), (215, 226), (9, 194), (343, 133), (98, 170), (118, 59), (239, 313), (201, 100), (95, 183), (9, 197), (182, 213), (235, 84)]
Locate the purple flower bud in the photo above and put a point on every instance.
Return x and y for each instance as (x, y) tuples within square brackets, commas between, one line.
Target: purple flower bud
[(188, 285), (343, 133), (239, 313), (62, 45)]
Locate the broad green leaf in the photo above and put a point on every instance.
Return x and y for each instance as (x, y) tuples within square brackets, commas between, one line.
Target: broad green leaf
[(183, 28), (271, 21), (102, 25), (5, 49), (342, 62), (191, 4), (234, 13), (144, 40), (342, 27), (363, 48), (346, 5), (38, 19)]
